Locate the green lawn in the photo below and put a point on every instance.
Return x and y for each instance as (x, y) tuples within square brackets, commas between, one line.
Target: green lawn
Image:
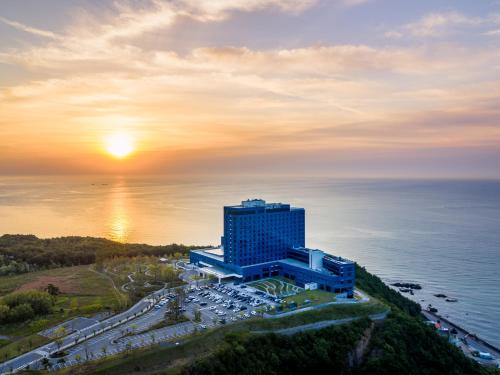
[(330, 312), (83, 293), (316, 297)]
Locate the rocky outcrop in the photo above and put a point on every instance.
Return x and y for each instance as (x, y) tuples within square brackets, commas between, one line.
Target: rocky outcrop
[(356, 356)]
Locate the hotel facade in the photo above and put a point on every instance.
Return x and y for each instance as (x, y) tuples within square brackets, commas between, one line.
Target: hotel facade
[(264, 240)]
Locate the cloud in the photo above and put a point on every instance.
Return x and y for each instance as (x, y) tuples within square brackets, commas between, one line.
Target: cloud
[(29, 29), (213, 101), (492, 32), (438, 24), (393, 34), (353, 3)]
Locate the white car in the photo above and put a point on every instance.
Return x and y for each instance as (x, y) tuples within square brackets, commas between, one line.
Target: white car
[(254, 313)]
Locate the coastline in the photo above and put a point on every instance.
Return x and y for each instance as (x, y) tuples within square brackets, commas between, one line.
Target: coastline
[(467, 341)]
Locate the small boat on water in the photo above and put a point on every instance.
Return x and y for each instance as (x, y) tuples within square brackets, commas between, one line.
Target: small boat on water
[(451, 300)]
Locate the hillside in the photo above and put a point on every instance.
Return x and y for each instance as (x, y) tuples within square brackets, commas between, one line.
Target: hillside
[(26, 253), (400, 344)]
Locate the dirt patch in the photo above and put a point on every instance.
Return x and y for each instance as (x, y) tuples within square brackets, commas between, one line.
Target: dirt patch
[(66, 284)]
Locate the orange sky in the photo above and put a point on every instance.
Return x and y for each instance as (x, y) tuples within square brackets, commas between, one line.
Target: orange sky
[(303, 86)]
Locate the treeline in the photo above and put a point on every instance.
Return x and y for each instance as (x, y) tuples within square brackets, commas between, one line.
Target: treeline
[(23, 253), (9, 266), (375, 287), (22, 306), (314, 352)]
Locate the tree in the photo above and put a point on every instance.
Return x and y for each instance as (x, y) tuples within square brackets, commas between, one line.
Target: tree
[(197, 315), (45, 363), (86, 348), (78, 358), (74, 304), (61, 331), (104, 350), (21, 313), (59, 343), (173, 310), (52, 289), (180, 296), (4, 313)]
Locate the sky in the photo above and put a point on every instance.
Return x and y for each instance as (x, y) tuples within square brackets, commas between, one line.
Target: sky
[(364, 88)]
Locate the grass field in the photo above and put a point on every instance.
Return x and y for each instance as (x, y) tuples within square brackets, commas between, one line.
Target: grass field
[(316, 297), (83, 293), (276, 286), (330, 312)]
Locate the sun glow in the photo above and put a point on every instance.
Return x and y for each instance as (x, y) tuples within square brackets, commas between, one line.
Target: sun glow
[(119, 145)]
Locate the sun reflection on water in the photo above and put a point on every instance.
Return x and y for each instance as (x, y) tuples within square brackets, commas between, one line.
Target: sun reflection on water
[(119, 213)]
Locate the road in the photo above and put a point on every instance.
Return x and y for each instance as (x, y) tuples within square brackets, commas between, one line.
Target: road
[(35, 356), (137, 333), (323, 324), (467, 343)]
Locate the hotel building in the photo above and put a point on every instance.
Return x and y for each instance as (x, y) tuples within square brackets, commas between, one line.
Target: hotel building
[(268, 239)]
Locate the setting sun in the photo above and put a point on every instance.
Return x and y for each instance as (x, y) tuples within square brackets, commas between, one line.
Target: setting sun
[(119, 145)]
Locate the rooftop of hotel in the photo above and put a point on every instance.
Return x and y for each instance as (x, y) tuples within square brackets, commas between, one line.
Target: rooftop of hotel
[(298, 263), (338, 260), (262, 204), (216, 253), (333, 258)]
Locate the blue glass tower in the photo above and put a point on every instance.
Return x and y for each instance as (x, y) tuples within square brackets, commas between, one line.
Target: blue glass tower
[(263, 240), (257, 232)]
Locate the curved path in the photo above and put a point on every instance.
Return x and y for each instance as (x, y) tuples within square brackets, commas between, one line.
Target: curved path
[(323, 324)]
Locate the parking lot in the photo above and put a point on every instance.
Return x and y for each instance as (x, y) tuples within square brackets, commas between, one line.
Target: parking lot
[(226, 303), (218, 304)]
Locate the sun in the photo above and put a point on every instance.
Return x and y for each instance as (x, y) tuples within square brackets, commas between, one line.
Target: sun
[(119, 145)]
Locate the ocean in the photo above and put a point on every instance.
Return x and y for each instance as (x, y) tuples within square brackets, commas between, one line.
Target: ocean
[(442, 234)]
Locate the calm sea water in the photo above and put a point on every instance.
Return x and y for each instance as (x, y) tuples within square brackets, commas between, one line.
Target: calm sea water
[(444, 235)]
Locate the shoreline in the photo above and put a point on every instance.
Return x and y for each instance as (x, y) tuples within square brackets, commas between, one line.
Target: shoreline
[(471, 340)]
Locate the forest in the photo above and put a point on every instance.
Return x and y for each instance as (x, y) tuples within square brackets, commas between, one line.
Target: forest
[(26, 253)]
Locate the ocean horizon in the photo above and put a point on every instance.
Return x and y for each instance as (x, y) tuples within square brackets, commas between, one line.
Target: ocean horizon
[(442, 234)]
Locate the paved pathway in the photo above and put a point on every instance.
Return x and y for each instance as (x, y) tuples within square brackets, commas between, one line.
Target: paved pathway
[(322, 324)]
